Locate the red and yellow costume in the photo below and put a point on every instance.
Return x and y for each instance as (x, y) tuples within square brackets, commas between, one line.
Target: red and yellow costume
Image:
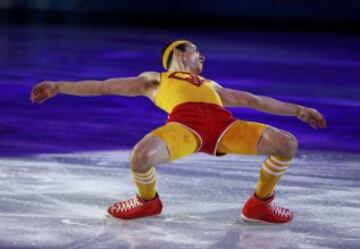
[(197, 120)]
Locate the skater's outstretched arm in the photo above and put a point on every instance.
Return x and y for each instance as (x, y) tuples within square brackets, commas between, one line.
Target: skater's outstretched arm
[(131, 86), (235, 98)]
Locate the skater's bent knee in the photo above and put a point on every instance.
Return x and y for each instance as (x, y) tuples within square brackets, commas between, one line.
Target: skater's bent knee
[(140, 160), (278, 142), (288, 145)]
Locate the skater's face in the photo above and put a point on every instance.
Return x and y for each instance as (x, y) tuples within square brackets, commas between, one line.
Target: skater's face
[(193, 59)]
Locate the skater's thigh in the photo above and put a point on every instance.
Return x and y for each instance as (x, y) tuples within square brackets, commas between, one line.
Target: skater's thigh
[(180, 141), (242, 137)]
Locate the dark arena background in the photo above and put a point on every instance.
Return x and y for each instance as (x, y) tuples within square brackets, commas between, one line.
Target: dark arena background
[(62, 163)]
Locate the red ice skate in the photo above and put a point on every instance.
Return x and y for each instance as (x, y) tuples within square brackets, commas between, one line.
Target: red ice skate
[(136, 207), (259, 211)]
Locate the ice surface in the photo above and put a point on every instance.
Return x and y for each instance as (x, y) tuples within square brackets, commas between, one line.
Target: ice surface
[(60, 201)]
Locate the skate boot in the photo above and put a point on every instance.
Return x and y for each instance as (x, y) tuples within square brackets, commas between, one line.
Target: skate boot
[(259, 211), (136, 207)]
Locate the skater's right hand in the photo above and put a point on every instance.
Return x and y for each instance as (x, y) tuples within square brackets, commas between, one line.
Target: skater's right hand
[(43, 91)]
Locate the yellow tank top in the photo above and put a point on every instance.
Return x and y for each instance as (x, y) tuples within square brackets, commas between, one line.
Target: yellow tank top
[(181, 87)]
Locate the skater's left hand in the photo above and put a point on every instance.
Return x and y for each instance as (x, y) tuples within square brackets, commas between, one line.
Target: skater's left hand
[(311, 116)]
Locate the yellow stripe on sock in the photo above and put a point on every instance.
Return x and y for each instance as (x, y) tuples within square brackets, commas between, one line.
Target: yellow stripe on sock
[(145, 183), (151, 180), (146, 177), (270, 173), (273, 173), (279, 160), (139, 174), (273, 166)]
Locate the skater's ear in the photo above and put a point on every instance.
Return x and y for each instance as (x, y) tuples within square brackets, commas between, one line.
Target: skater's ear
[(168, 51)]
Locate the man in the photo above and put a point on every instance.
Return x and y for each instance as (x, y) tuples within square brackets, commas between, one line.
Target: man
[(197, 121)]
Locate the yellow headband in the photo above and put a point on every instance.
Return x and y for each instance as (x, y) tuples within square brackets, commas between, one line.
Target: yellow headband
[(169, 49)]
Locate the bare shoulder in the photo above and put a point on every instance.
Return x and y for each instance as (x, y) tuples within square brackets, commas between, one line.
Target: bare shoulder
[(216, 85), (152, 82), (150, 77)]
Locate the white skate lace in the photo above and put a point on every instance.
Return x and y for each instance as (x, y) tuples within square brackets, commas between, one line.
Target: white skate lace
[(280, 211), (125, 205)]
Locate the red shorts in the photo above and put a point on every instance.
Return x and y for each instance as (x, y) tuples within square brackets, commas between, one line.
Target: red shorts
[(208, 121)]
